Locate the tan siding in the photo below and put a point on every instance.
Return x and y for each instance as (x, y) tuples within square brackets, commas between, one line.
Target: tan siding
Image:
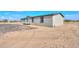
[(58, 20), (50, 21), (47, 21)]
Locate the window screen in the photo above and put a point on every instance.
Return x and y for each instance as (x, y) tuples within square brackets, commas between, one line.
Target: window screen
[(42, 19), (32, 19)]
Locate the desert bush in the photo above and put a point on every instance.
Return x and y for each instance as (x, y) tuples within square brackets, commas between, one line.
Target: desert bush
[(71, 20)]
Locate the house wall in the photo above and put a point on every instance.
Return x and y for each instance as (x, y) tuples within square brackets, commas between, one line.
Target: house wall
[(58, 20), (47, 21), (30, 20)]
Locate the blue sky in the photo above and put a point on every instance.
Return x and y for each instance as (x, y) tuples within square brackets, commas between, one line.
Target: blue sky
[(16, 15)]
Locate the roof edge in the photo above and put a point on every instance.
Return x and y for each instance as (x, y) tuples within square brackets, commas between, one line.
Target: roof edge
[(48, 15)]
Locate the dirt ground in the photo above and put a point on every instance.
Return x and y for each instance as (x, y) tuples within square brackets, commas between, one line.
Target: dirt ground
[(32, 36)]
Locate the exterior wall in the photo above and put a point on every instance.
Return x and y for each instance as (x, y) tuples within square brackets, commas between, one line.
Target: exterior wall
[(30, 20), (58, 20), (47, 21)]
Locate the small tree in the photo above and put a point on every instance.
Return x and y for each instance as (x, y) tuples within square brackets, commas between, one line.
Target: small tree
[(23, 19), (5, 20), (27, 18)]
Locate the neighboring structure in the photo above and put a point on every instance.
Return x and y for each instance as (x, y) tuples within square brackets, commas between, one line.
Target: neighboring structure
[(50, 20)]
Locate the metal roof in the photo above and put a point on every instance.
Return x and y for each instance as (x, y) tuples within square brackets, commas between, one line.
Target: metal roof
[(48, 15)]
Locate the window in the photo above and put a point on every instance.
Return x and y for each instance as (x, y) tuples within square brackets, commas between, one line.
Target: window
[(42, 19), (32, 19)]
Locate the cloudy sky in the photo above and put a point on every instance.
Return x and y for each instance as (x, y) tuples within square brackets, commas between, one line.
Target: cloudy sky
[(16, 15)]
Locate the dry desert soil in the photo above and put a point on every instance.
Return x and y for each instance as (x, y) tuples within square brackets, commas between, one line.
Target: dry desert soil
[(32, 36)]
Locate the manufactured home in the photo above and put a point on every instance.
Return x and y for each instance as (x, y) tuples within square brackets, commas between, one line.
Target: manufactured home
[(50, 20)]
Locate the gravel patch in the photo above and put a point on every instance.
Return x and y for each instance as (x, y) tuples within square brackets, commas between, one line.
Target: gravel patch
[(4, 28)]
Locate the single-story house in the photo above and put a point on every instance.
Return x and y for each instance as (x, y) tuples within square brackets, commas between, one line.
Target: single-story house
[(50, 20)]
